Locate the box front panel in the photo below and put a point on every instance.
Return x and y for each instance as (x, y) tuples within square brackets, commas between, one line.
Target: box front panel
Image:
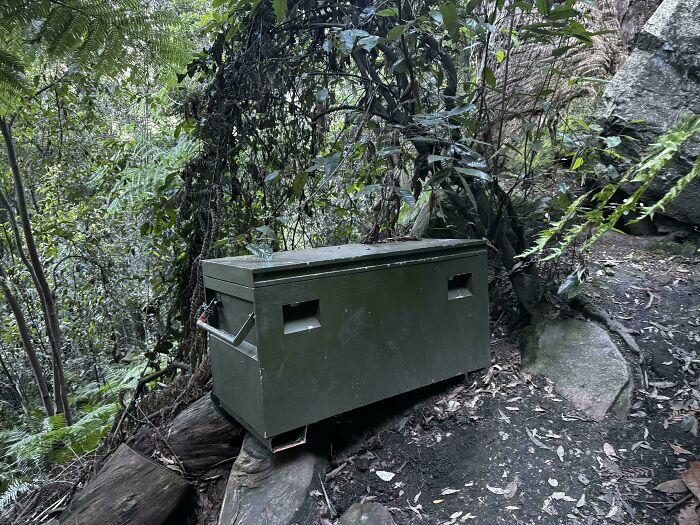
[(336, 343)]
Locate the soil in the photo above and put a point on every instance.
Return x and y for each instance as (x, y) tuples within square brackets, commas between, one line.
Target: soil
[(503, 447)]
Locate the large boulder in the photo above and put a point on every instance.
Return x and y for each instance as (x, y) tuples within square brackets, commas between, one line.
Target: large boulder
[(271, 489), (657, 84), (583, 363)]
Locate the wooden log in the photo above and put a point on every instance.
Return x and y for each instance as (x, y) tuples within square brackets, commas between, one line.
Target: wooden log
[(128, 489), (201, 437)]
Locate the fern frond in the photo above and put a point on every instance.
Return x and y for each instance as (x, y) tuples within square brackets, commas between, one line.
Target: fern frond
[(13, 491), (604, 216), (106, 37)]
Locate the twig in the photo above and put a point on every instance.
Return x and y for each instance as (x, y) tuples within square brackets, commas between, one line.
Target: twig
[(142, 382), (651, 300), (331, 509), (678, 503), (223, 461)]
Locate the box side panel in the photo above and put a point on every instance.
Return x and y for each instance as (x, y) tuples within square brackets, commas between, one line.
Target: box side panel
[(234, 306), (352, 339), (236, 379), (235, 370)]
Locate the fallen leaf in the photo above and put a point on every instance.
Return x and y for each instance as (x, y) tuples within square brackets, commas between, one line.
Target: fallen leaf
[(385, 476), (689, 515), (562, 496), (581, 501), (691, 477), (672, 486), (447, 492), (553, 482), (533, 437), (680, 450), (560, 453), (610, 451), (453, 405), (436, 501), (583, 479), (509, 491), (415, 509), (662, 384)]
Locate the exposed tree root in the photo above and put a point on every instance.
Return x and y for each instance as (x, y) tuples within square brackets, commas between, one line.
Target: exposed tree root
[(596, 312)]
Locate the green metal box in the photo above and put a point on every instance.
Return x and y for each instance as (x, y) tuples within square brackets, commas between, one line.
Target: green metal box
[(315, 333)]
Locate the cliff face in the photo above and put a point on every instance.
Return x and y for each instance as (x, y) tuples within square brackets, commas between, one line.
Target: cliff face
[(657, 84)]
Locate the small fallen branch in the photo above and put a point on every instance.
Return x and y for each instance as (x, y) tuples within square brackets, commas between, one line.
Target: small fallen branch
[(140, 386), (596, 312)]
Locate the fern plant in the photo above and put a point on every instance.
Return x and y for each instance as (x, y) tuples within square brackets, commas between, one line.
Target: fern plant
[(104, 37), (26, 452), (15, 489), (604, 215)]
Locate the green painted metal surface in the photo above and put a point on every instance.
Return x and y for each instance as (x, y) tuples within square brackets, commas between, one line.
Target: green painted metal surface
[(341, 327)]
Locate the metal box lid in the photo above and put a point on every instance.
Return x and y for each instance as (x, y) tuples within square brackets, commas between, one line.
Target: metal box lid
[(252, 271)]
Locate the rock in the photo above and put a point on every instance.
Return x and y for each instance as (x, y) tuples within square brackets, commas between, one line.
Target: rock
[(583, 363), (273, 489), (201, 437), (657, 84), (366, 514), (128, 489), (632, 17)]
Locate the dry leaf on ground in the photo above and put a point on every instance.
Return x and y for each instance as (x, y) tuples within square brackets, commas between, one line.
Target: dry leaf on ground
[(691, 477), (509, 491), (689, 514), (610, 451), (680, 450), (385, 476), (673, 486)]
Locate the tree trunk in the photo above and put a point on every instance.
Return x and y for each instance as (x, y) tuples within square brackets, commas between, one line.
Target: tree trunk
[(27, 343), (15, 385), (53, 327)]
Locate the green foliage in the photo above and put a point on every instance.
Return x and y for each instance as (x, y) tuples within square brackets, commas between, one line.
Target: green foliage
[(603, 215), (27, 451), (13, 491), (103, 37)]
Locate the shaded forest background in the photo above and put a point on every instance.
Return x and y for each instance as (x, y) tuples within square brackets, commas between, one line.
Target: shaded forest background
[(143, 137)]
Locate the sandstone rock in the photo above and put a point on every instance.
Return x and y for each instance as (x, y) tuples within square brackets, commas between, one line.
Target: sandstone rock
[(657, 84), (632, 18), (366, 514), (271, 489), (583, 363)]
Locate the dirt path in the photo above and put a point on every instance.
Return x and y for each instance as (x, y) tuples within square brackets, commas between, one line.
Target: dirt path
[(505, 448)]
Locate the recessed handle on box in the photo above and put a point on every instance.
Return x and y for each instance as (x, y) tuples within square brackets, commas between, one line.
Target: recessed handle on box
[(234, 340)]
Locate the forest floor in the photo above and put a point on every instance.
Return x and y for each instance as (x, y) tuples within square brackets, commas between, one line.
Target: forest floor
[(504, 447)]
